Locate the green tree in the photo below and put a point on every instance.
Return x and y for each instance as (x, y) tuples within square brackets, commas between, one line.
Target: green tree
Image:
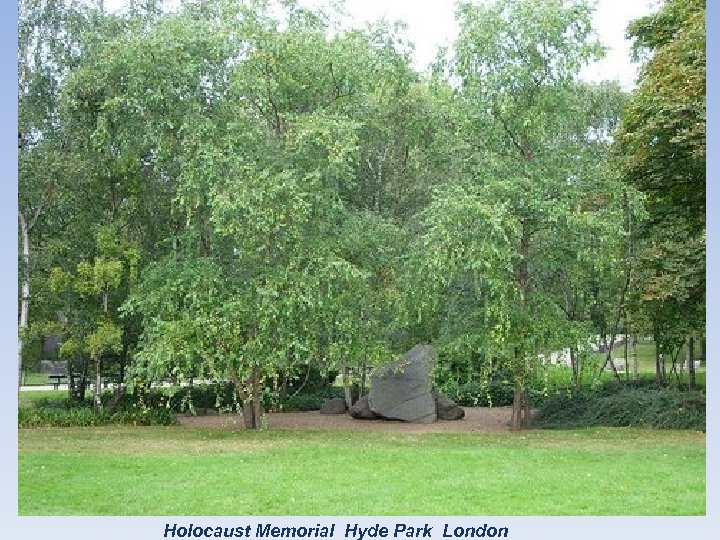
[(260, 159), (70, 187), (661, 145), (536, 170), (85, 298), (47, 44)]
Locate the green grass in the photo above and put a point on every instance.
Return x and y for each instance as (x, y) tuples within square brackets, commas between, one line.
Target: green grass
[(646, 356), (28, 398), (560, 377), (35, 378), (185, 471)]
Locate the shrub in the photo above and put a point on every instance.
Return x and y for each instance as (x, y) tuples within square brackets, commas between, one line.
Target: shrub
[(85, 416), (625, 406), (307, 402), (180, 399), (495, 392), (310, 402), (221, 396)]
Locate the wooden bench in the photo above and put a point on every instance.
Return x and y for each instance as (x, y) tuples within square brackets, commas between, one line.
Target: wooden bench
[(57, 380), (55, 371)]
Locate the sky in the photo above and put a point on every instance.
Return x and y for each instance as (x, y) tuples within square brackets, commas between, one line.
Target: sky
[(431, 24)]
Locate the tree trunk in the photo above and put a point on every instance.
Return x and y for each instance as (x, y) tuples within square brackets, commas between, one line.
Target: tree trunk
[(121, 371), (25, 292), (71, 382), (575, 365), (634, 358), (663, 366), (347, 389), (97, 402), (76, 384), (248, 411), (703, 352), (521, 409), (526, 419), (658, 366), (256, 396), (522, 276), (691, 363), (625, 357), (363, 380), (517, 408)]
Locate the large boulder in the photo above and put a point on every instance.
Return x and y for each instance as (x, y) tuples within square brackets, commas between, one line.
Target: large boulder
[(333, 406), (447, 409), (402, 390), (361, 410)]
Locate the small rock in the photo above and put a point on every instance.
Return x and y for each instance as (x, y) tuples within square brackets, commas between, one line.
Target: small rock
[(447, 409), (333, 406), (361, 409)]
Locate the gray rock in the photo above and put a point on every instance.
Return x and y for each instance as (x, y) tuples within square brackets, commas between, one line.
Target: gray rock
[(333, 406), (402, 390), (361, 409), (447, 409)]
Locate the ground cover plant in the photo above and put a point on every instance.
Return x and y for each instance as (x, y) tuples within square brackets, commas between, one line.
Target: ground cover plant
[(624, 406), (187, 471)]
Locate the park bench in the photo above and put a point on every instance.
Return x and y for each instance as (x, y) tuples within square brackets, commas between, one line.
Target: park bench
[(56, 371), (57, 380)]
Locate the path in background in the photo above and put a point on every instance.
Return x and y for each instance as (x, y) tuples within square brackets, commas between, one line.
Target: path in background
[(476, 419)]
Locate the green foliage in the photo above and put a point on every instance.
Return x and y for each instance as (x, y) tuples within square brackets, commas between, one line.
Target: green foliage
[(107, 337), (221, 397), (511, 258), (661, 148), (495, 391), (309, 401), (33, 417), (263, 192), (184, 399), (649, 406)]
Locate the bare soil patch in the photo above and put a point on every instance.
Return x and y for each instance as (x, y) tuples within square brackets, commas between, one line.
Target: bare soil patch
[(476, 419)]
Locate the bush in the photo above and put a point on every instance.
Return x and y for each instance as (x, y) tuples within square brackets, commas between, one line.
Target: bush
[(624, 406), (311, 402), (196, 399), (85, 416), (221, 396), (308, 402), (495, 392), (181, 399), (313, 382)]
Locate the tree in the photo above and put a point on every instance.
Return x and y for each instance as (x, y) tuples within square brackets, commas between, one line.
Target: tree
[(661, 144), (260, 159), (517, 63), (70, 187), (47, 41), (84, 297)]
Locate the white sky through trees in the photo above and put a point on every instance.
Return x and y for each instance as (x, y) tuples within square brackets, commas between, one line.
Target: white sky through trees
[(431, 24)]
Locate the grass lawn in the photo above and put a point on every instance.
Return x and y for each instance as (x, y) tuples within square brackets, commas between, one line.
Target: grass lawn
[(28, 398), (185, 471), (560, 376), (35, 378)]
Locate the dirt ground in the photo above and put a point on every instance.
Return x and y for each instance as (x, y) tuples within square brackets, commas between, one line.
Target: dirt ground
[(476, 419)]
